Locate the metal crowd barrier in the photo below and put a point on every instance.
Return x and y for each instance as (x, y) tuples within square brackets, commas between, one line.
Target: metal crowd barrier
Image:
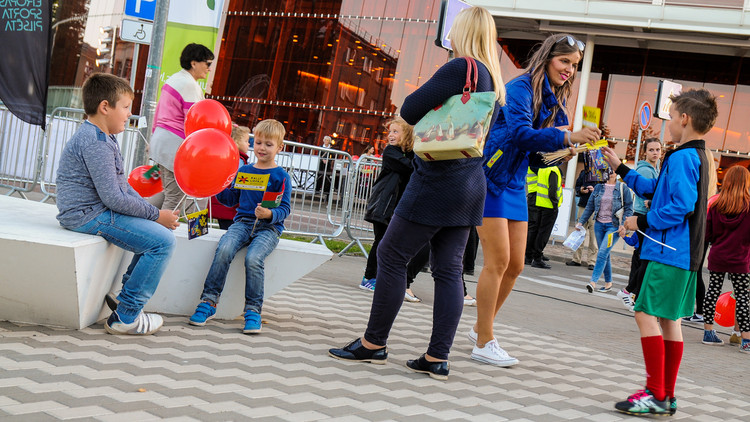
[(20, 157), (366, 170), (63, 122), (319, 186)]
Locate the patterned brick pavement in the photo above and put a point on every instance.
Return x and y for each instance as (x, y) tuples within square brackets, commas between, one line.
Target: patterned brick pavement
[(215, 373)]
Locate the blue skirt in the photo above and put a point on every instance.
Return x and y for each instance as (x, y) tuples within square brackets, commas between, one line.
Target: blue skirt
[(510, 204)]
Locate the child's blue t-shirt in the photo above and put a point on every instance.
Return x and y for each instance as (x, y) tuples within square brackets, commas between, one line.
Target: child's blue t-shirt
[(250, 185)]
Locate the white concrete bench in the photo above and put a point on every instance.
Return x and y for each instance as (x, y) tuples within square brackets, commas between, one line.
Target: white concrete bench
[(56, 277)]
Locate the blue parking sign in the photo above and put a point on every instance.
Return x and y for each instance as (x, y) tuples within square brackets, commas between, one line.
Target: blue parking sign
[(142, 9)]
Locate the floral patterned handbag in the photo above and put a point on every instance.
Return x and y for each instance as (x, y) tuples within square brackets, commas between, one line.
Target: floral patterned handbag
[(458, 127)]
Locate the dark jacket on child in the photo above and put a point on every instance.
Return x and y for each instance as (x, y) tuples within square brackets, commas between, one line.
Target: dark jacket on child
[(390, 184)]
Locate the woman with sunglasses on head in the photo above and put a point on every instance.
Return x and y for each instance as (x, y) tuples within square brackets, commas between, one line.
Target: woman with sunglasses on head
[(534, 119), (180, 91)]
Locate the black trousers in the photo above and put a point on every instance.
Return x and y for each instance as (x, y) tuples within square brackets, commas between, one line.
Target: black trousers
[(637, 267), (371, 270), (421, 259), (541, 223), (470, 253), (402, 240)]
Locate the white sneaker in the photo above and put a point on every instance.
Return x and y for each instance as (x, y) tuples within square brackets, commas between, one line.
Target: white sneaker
[(473, 336), (470, 302), (144, 324), (493, 354), (627, 300)]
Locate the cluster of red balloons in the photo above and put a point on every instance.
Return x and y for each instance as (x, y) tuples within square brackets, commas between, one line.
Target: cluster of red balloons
[(207, 160)]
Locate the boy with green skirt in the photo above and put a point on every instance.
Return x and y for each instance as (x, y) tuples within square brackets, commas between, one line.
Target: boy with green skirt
[(675, 228)]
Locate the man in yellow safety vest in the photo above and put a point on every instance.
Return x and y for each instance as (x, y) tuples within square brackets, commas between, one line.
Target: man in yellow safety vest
[(544, 197)]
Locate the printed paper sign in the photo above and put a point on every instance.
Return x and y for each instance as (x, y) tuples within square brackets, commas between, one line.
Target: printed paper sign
[(591, 116), (197, 224), (250, 181)]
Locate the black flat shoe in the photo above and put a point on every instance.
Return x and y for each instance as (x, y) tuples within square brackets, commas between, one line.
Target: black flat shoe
[(355, 351), (572, 263), (538, 263), (436, 370)]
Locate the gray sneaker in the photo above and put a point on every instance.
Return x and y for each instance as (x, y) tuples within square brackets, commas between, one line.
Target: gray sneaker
[(144, 324)]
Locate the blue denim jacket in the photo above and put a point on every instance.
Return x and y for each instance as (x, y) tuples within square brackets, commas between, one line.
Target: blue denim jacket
[(595, 201)]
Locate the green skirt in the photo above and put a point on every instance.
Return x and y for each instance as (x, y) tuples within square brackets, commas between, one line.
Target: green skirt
[(667, 292)]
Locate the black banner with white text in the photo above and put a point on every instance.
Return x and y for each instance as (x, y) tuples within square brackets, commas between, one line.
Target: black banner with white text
[(25, 28)]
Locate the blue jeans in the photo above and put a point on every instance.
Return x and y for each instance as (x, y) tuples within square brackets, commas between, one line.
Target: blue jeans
[(152, 245), (262, 242), (603, 263)]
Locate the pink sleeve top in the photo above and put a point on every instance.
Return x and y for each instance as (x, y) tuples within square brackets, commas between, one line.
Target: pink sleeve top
[(179, 92)]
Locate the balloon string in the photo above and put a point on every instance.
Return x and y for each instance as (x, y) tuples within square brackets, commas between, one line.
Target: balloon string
[(253, 230), (652, 239), (178, 204)]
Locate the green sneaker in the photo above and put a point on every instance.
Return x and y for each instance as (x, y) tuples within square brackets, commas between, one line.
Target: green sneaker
[(672, 406)]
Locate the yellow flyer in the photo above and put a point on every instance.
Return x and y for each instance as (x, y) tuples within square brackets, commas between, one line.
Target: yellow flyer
[(250, 181), (598, 144), (591, 116)]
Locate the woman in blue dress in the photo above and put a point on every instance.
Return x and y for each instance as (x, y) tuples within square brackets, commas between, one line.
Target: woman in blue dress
[(534, 119)]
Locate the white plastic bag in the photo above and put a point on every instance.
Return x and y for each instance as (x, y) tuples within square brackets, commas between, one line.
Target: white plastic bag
[(575, 239)]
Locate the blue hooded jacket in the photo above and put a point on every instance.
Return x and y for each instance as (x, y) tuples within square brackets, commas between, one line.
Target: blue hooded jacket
[(516, 134), (677, 216)]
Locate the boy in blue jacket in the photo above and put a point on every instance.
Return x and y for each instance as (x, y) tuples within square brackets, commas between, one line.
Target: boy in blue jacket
[(677, 218), (257, 225)]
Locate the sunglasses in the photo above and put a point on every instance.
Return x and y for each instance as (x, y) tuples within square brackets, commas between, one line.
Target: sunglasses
[(572, 42), (209, 62)]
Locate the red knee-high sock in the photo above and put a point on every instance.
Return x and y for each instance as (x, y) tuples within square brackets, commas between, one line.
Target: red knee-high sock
[(653, 355), (672, 360)]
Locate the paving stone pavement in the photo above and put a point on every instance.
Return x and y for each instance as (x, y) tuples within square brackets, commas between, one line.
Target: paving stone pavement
[(215, 373)]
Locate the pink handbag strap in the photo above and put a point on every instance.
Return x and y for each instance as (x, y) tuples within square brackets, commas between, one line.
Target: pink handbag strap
[(471, 84)]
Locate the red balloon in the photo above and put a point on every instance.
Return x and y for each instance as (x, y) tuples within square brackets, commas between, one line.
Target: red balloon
[(207, 114), (725, 306), (144, 187), (206, 163)]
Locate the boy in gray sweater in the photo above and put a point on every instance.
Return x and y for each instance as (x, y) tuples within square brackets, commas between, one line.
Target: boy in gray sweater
[(94, 197)]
